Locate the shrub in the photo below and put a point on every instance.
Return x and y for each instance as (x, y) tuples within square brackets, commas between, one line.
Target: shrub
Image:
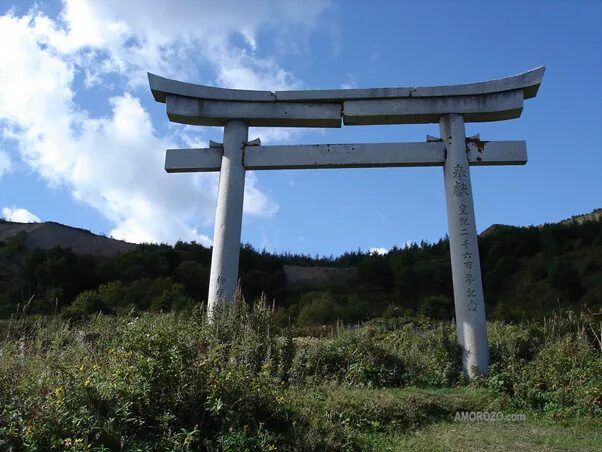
[(566, 280), (350, 358), (564, 379), (438, 307), (430, 354), (171, 298), (390, 353), (85, 303), (164, 382), (554, 366), (317, 308)]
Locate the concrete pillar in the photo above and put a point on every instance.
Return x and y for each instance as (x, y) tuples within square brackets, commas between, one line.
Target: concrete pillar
[(466, 268), (228, 217)]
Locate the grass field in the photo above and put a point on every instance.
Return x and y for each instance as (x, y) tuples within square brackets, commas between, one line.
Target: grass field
[(536, 434), (177, 382), (420, 419)]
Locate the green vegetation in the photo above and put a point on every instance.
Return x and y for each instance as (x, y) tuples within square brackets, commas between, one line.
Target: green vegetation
[(536, 434), (177, 382), (528, 273), (117, 354)]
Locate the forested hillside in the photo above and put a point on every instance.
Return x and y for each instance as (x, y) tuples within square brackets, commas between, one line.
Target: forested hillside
[(528, 272)]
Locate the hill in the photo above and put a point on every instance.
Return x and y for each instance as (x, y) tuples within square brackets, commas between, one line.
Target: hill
[(50, 235), (595, 215), (527, 272)]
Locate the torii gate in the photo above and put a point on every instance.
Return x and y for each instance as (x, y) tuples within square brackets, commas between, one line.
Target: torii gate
[(450, 106)]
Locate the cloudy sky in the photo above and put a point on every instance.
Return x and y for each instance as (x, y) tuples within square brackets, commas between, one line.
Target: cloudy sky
[(82, 142)]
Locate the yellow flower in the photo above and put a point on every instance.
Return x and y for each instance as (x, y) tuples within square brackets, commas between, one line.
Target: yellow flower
[(58, 391), (81, 368), (67, 442), (187, 440), (78, 442), (59, 403), (88, 382)]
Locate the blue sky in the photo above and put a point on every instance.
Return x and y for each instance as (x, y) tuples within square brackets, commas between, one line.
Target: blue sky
[(82, 142)]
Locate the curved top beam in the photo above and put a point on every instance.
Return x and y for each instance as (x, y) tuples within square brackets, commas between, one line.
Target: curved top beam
[(161, 87), (528, 82)]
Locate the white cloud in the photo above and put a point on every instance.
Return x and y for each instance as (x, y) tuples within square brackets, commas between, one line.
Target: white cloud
[(19, 215), (241, 69), (114, 162), (270, 135), (5, 163), (256, 202), (127, 182), (380, 251), (349, 83), (170, 37)]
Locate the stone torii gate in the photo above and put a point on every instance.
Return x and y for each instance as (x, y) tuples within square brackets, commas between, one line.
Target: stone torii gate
[(449, 106)]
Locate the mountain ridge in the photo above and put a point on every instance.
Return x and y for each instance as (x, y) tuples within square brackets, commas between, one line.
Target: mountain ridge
[(50, 234)]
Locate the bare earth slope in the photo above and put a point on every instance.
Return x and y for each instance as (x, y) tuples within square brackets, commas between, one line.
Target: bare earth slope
[(317, 277), (49, 235)]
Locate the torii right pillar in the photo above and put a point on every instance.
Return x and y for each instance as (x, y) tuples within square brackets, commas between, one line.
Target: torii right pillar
[(471, 323)]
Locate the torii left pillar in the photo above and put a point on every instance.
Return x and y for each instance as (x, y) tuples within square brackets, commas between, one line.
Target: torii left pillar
[(223, 278)]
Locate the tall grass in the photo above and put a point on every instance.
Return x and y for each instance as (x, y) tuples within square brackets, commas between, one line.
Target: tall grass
[(178, 382)]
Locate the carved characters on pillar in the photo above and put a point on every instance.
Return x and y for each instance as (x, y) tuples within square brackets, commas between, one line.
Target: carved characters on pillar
[(459, 173), (221, 281), (460, 186), (461, 192)]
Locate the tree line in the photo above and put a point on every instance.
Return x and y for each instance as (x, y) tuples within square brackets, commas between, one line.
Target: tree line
[(527, 272)]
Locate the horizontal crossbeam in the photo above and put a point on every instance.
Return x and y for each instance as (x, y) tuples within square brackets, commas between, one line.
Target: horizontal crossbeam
[(201, 112), (486, 107), (375, 155)]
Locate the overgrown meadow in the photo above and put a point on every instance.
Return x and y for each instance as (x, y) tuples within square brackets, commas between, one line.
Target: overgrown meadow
[(174, 381)]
